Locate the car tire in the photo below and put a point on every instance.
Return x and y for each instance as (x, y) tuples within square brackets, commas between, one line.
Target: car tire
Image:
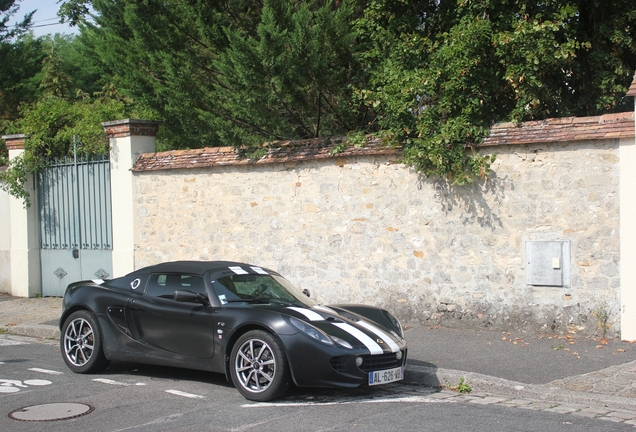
[(81, 343), (259, 367)]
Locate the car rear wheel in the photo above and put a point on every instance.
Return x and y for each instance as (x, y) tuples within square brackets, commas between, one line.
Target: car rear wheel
[(259, 367), (81, 343)]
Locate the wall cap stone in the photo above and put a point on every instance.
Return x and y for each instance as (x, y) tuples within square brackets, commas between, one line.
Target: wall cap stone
[(131, 127), (277, 152), (15, 141), (567, 129)]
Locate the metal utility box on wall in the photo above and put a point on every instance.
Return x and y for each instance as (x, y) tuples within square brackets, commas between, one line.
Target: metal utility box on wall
[(548, 263)]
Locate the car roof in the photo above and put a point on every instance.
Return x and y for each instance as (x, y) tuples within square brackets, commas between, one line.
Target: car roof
[(190, 267)]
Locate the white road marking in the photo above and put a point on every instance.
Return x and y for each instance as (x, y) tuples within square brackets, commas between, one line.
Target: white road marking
[(46, 371), (161, 421), (184, 394), (7, 342), (108, 381), (12, 386), (409, 399), (8, 389), (6, 382), (37, 382)]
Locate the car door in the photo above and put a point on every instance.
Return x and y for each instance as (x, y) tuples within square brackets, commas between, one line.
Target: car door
[(185, 328)]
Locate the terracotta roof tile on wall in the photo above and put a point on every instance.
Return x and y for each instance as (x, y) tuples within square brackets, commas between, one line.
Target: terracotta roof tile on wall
[(565, 129), (608, 126), (281, 152)]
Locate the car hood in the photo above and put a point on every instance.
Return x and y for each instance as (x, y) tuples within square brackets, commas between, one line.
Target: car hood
[(362, 332)]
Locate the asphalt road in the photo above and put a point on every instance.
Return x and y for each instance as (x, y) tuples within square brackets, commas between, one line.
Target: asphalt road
[(129, 397), (518, 357)]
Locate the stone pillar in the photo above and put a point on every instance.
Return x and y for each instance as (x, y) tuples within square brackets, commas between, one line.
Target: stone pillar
[(129, 139), (628, 232), (25, 276)]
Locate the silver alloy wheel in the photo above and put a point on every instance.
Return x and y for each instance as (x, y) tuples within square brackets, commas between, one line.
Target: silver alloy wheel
[(255, 365), (79, 342)]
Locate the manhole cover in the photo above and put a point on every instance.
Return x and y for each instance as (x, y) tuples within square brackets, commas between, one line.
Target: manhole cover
[(51, 412)]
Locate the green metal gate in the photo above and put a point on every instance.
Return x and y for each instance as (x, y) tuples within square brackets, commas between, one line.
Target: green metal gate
[(75, 220)]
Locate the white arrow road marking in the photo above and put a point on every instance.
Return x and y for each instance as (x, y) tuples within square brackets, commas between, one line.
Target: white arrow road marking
[(184, 394), (46, 371), (411, 399)]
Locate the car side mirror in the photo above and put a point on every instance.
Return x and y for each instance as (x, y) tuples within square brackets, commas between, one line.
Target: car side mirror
[(306, 292), (189, 296)]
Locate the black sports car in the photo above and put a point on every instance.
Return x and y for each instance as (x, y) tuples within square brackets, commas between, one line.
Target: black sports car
[(239, 319)]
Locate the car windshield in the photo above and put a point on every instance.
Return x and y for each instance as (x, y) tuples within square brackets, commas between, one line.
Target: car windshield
[(259, 289)]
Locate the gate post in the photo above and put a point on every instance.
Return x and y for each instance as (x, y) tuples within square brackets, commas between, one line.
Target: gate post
[(25, 249), (128, 139)]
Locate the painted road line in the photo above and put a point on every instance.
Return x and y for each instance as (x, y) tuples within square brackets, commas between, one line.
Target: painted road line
[(108, 381), (8, 342), (46, 371), (408, 399), (184, 394)]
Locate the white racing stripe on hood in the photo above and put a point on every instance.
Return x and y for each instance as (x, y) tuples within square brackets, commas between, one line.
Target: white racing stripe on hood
[(325, 309), (372, 345), (311, 315), (385, 337)]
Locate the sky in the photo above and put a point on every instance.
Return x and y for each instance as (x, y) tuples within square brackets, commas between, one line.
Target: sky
[(45, 20)]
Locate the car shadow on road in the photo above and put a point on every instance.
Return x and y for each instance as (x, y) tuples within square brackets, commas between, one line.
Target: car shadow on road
[(421, 373), (165, 373)]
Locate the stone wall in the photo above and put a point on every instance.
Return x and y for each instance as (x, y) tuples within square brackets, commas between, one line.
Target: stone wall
[(365, 228)]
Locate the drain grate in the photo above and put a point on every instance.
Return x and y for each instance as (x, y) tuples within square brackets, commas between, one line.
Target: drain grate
[(51, 412)]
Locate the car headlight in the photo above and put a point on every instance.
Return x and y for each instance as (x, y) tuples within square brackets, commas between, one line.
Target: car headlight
[(395, 322), (311, 331), (341, 342)]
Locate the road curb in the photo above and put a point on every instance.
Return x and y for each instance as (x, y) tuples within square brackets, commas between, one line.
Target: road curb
[(44, 331), (435, 377)]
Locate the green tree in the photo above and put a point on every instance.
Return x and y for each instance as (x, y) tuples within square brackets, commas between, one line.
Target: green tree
[(8, 8), (20, 65), (440, 73), (55, 81), (429, 75), (18, 61), (68, 68), (53, 124), (237, 72)]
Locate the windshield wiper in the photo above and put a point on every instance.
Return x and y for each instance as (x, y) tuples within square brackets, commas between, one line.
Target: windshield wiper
[(249, 300)]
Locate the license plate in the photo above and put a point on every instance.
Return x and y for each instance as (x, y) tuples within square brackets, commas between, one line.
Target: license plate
[(386, 376)]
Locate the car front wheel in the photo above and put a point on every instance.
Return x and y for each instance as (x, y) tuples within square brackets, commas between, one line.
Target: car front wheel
[(259, 366), (81, 343)]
